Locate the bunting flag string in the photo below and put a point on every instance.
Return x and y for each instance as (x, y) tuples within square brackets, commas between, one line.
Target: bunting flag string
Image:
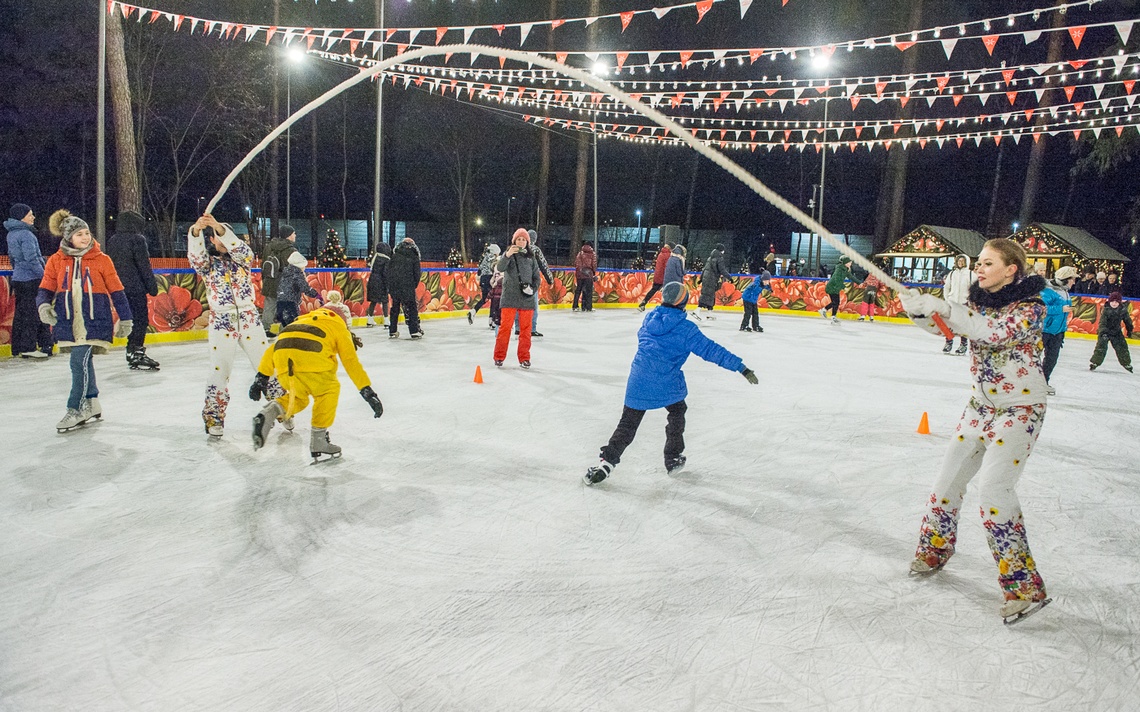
[(976, 28)]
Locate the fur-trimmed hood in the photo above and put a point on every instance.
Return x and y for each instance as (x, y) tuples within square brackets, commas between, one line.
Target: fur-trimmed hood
[(1027, 289)]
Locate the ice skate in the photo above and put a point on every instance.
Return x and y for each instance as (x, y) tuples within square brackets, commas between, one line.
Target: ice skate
[(641, 307), (319, 445), (862, 318), (393, 334), (1019, 609), (499, 362), (834, 320), (536, 335), (90, 409), (962, 348), (948, 347), (264, 421), (708, 314), (746, 328), (138, 361), (1092, 366), (596, 474), (417, 334), (823, 313), (34, 355), (675, 464), (918, 567), (759, 330), (525, 364), (1050, 391), (215, 429), (1128, 368), (870, 318), (369, 323), (72, 420), (470, 316)]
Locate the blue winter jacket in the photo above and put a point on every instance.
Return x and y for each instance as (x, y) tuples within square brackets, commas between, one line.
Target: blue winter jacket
[(751, 293), (1056, 321), (24, 251), (664, 342)]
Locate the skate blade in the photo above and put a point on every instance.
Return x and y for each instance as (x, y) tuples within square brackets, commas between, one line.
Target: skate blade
[(323, 457), (924, 574), (77, 426), (1017, 618), (676, 471)]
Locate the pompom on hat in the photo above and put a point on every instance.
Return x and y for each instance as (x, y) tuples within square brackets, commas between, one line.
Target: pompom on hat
[(335, 302), (674, 294)]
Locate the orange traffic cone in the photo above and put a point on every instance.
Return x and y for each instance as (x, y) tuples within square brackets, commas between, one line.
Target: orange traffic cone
[(924, 425), (478, 374)]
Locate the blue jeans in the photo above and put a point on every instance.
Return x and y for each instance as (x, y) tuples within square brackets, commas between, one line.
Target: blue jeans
[(82, 377), (534, 320)]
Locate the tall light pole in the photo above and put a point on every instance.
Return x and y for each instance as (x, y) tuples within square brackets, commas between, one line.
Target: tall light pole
[(600, 70), (509, 213), (378, 180), (296, 56), (101, 131), (638, 213), (822, 62)]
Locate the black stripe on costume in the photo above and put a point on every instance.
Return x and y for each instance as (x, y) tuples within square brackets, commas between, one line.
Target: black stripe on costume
[(305, 329), (299, 345)]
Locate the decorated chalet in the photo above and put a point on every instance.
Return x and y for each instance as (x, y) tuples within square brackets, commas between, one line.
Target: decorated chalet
[(927, 252), (1058, 245)]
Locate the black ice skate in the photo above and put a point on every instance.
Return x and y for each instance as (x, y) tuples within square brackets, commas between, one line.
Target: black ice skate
[(675, 464), (948, 347), (596, 474), (962, 348), (139, 361), (264, 421), (1018, 610), (320, 447)]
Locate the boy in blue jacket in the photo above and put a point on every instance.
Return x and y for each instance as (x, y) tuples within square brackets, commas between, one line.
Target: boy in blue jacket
[(750, 296), (664, 343)]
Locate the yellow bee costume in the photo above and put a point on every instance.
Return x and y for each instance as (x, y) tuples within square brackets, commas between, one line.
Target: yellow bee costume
[(304, 359)]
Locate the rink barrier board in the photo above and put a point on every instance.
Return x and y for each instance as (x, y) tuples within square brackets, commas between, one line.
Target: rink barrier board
[(180, 312)]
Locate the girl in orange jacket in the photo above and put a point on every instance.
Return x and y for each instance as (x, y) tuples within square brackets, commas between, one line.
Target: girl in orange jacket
[(76, 294)]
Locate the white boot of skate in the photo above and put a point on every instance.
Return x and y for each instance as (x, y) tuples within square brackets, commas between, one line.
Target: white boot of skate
[(72, 420), (319, 445), (264, 421)]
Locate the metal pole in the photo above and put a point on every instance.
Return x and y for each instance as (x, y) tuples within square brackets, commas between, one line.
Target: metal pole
[(595, 187), (288, 143), (378, 180), (822, 176), (101, 132)]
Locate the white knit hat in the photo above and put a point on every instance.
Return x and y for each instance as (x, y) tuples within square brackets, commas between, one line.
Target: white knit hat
[(334, 302)]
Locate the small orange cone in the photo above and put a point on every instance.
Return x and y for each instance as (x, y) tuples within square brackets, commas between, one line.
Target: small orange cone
[(478, 374), (923, 425)]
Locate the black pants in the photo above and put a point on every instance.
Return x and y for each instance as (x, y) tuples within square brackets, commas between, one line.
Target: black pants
[(751, 313), (28, 332), (653, 290), (585, 290), (1053, 344), (834, 306), (485, 292), (140, 313), (383, 307), (287, 312), (411, 314), (631, 420), (1119, 345)]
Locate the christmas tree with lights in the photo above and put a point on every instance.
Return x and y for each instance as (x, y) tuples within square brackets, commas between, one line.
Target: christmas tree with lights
[(454, 259), (333, 254), (638, 263)]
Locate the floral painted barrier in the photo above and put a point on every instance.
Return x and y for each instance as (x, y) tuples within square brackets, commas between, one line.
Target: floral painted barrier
[(180, 310)]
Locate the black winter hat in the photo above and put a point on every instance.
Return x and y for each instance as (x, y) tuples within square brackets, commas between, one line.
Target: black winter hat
[(131, 222), (286, 230), (19, 211)]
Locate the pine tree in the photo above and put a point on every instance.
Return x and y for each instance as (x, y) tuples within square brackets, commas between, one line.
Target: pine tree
[(333, 254), (454, 259)]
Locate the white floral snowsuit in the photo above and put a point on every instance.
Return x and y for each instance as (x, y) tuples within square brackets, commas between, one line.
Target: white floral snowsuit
[(234, 320), (993, 440)]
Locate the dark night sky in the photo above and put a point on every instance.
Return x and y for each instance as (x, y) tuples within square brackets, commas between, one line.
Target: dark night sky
[(47, 116)]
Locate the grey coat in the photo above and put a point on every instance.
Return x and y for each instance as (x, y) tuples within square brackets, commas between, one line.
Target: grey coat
[(516, 269)]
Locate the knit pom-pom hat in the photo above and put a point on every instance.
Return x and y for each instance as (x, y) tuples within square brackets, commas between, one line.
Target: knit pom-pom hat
[(674, 294), (335, 302), (63, 225)]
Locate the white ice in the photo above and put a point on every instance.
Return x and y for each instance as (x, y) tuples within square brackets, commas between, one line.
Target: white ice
[(453, 560)]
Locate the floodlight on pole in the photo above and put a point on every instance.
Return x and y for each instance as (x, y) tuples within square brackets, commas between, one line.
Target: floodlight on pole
[(601, 68), (638, 214)]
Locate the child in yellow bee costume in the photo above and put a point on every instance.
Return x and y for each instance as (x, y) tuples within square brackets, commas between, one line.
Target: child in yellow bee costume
[(305, 361)]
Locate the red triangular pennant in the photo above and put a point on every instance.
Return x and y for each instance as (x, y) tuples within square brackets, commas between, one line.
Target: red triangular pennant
[(1128, 84), (388, 34), (1078, 63), (561, 57), (959, 141), (904, 46), (942, 82), (555, 24), (269, 34), (352, 45), (855, 101), (1007, 75), (880, 87), (938, 124), (957, 99), (990, 41), (439, 33), (1119, 130), (1069, 92), (858, 131), (626, 18), (702, 7), (903, 100), (1012, 96), (1028, 114), (1076, 134), (685, 57), (621, 57), (1079, 106), (1036, 137), (1077, 33), (178, 21), (499, 29), (755, 54)]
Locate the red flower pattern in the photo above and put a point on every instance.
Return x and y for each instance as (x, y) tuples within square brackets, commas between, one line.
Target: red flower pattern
[(174, 310)]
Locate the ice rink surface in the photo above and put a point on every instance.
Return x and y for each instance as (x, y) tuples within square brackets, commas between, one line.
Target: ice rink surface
[(453, 560)]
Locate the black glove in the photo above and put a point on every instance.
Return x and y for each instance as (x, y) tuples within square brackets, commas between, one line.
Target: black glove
[(750, 375), (357, 342), (259, 387), (373, 400)]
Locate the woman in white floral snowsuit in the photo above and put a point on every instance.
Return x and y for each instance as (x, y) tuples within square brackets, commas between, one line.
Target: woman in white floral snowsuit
[(234, 321), (1003, 320)]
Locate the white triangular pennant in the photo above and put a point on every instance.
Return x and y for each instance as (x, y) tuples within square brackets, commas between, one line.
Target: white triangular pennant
[(590, 21), (983, 98), (1039, 93), (930, 100), (592, 56), (1124, 29), (783, 104), (1119, 60), (973, 77), (798, 92), (250, 32), (940, 141), (745, 4), (1104, 103), (1097, 89), (467, 32), (948, 46), (661, 11), (653, 57), (1031, 36), (910, 82), (524, 28)]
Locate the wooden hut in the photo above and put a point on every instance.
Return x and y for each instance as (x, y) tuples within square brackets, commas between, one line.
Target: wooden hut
[(1058, 245), (927, 252)]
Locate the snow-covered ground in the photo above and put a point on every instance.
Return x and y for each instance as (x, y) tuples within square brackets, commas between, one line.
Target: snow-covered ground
[(453, 560)]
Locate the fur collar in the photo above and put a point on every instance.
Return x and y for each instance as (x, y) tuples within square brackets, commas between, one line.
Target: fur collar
[(1016, 292)]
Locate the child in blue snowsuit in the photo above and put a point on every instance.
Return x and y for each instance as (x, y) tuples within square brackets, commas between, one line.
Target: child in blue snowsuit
[(664, 342), (750, 296)]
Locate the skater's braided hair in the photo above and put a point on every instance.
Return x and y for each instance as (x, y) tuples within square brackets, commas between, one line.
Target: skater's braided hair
[(1012, 254)]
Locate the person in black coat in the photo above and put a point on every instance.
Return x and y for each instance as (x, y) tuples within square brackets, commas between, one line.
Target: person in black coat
[(378, 282), (403, 278), (715, 271), (127, 248)]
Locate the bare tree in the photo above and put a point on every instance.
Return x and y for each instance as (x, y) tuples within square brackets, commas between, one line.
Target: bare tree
[(544, 147), (583, 159), (1037, 151), (126, 163)]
